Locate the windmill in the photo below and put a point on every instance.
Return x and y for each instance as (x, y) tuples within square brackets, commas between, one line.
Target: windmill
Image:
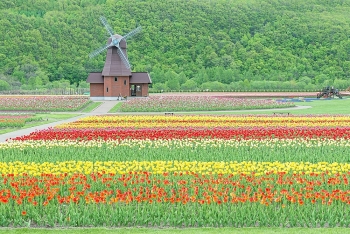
[(116, 79), (116, 44)]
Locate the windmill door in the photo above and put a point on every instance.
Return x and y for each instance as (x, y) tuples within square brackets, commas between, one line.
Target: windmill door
[(136, 90), (132, 90)]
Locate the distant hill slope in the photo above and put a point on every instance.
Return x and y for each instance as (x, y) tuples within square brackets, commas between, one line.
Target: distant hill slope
[(208, 40)]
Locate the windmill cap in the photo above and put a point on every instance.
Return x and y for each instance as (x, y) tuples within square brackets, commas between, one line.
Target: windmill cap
[(122, 43)]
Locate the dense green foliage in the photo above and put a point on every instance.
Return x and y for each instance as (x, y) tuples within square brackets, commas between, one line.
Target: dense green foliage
[(185, 44)]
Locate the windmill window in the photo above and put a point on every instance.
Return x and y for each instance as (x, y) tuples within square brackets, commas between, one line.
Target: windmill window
[(124, 82), (115, 78), (107, 89), (138, 88)]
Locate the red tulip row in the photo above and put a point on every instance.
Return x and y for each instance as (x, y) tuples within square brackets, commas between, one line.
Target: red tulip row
[(182, 133)]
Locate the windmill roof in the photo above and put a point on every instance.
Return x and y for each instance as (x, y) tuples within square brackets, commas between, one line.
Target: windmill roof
[(140, 78), (95, 77), (114, 65)]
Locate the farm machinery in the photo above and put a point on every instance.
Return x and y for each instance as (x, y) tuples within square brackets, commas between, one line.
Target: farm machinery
[(329, 92)]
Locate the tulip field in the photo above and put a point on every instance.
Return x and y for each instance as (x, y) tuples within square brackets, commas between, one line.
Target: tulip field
[(179, 171), (43, 103), (198, 103)]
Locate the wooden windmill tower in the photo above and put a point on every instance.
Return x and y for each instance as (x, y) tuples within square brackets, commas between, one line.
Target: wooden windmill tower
[(116, 79)]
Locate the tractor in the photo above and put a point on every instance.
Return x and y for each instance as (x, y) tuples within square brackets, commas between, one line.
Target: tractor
[(329, 92)]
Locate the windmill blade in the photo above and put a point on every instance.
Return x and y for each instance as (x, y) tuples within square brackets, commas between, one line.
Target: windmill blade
[(107, 26), (123, 58), (98, 51), (132, 33)]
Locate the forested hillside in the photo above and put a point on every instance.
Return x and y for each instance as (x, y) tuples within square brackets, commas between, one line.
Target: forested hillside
[(184, 44)]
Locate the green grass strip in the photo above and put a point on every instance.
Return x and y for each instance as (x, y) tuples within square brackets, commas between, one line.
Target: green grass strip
[(116, 108), (177, 230), (334, 106), (92, 106), (46, 118)]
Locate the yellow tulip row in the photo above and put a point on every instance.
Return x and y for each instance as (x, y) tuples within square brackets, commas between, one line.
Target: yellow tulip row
[(157, 167), (208, 125), (207, 121), (205, 118), (178, 143)]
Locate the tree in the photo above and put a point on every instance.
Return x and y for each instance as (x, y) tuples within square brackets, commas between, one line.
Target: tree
[(19, 74), (226, 61), (305, 79), (173, 81), (158, 75), (83, 84), (29, 71), (212, 60), (189, 85), (4, 85), (201, 76), (246, 83), (182, 78), (173, 84), (319, 79), (159, 87), (64, 84), (213, 86), (341, 84), (35, 82)]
